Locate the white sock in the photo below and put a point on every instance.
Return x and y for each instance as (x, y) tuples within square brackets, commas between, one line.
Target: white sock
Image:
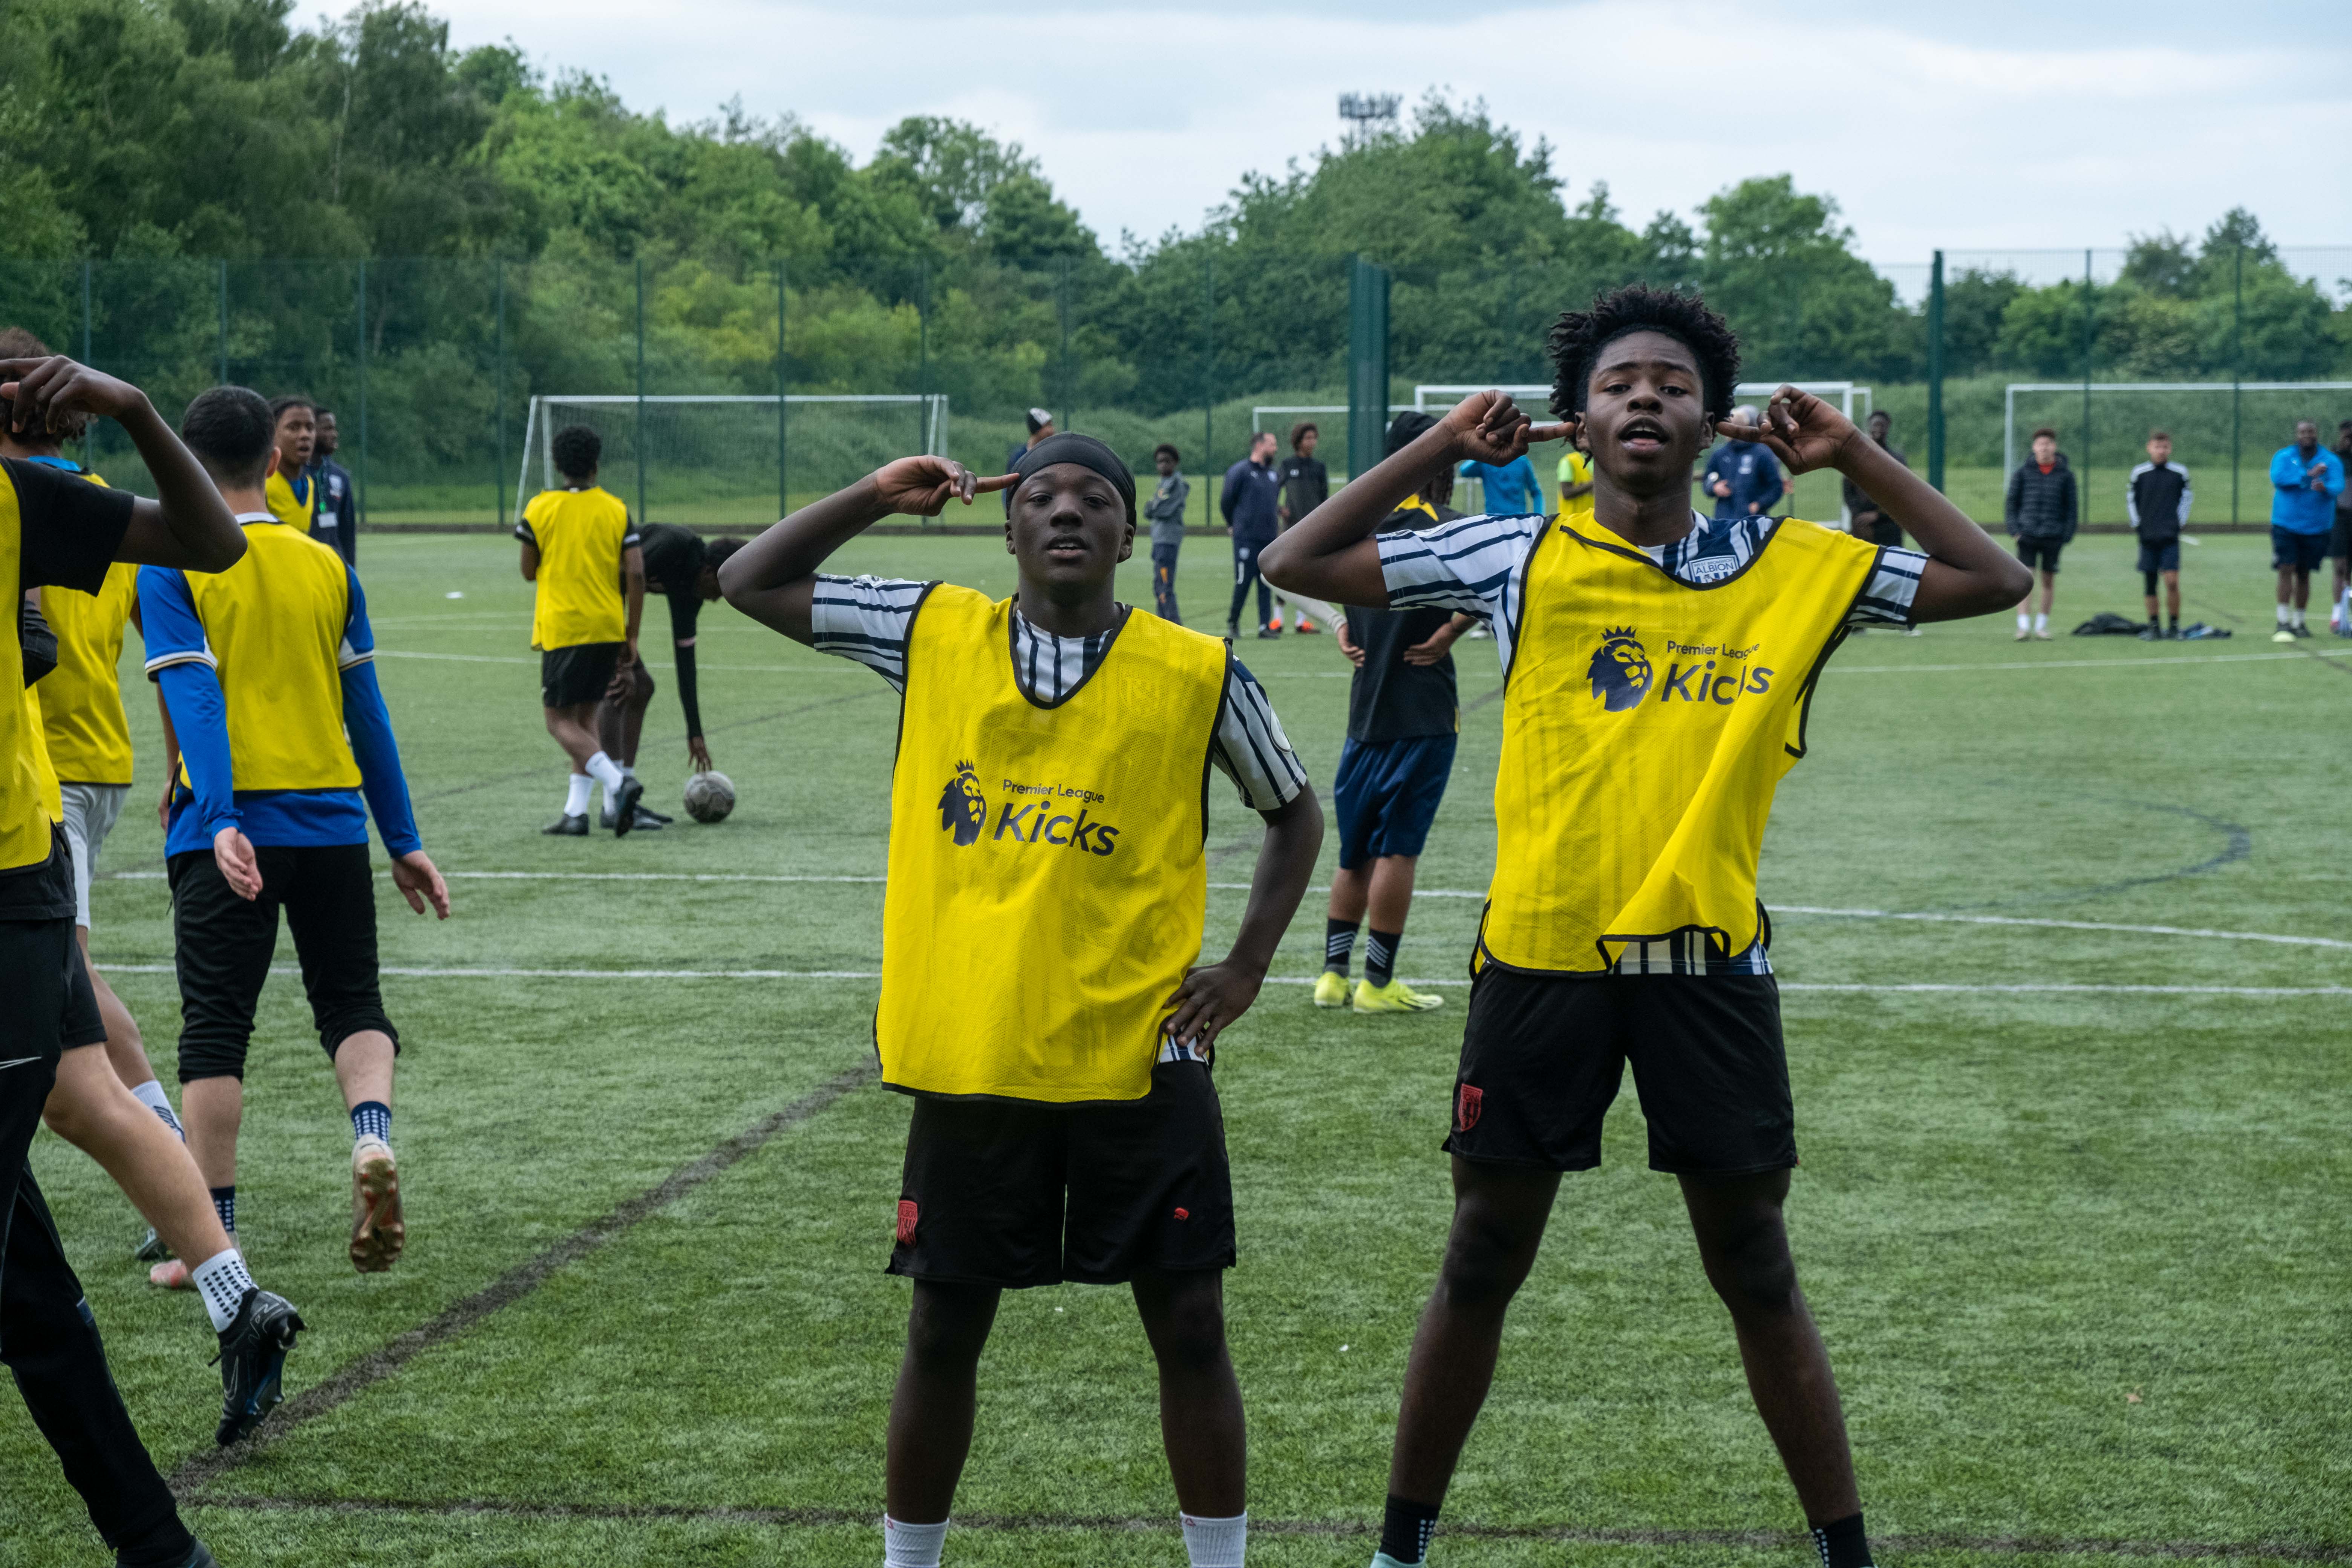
[(606, 772), (151, 1095), (2281, 614), (2298, 618), (221, 1280), (2040, 623), (575, 794), (628, 770), (2024, 621), (1215, 1542), (907, 1545)]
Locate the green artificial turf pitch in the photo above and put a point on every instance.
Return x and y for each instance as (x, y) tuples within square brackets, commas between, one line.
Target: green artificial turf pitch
[(2080, 1255)]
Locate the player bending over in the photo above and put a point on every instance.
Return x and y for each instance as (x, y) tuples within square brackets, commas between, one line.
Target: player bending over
[(580, 551), (1658, 664), (1041, 998), (268, 673), (683, 568), (56, 529)]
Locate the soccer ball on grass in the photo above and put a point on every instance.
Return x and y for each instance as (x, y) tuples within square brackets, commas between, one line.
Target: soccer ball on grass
[(710, 796)]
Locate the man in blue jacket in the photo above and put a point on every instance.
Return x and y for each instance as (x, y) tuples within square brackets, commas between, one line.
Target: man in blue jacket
[(1512, 489), (1251, 507), (2305, 480), (1743, 477)]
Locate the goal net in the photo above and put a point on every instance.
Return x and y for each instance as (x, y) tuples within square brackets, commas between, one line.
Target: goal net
[(720, 461), (2222, 432)]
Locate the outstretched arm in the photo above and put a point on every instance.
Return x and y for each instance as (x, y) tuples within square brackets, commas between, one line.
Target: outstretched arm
[(1967, 573), (188, 524), (773, 578), (1331, 553), (1214, 996)]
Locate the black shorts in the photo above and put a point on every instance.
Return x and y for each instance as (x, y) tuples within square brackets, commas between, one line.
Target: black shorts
[(224, 944), (2163, 556), (2339, 538), (51, 1005), (2041, 554), (1016, 1194), (2300, 552), (580, 673), (1542, 1057)]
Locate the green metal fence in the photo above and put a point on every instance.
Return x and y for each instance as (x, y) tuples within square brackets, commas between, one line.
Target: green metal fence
[(431, 365)]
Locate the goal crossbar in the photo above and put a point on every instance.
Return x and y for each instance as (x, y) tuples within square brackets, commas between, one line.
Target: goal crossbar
[(2009, 398)]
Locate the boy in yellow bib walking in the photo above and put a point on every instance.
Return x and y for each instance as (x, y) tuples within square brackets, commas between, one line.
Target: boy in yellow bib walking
[(1042, 997), (1658, 667)]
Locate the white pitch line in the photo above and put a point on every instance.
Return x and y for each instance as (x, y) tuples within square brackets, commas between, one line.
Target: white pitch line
[(425, 971), (1835, 668), (2036, 923)]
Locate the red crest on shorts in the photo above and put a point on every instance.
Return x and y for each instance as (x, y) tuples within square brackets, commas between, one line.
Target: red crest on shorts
[(1468, 1100), (906, 1221)]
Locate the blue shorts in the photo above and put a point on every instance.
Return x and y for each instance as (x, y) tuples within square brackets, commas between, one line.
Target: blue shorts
[(2304, 552), (1387, 795)]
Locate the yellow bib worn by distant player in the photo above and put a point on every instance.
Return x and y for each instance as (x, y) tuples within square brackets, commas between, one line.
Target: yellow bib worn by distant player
[(580, 536), (1575, 468), (26, 788), (1645, 726), (302, 515), (275, 623), (1047, 874), (81, 713)]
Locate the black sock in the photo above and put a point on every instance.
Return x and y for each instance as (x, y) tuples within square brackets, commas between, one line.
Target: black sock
[(165, 1544), (1338, 941), (1379, 955), (1842, 1543), (1406, 1527), (224, 1205)]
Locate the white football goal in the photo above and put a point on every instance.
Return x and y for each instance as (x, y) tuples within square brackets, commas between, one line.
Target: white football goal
[(729, 459)]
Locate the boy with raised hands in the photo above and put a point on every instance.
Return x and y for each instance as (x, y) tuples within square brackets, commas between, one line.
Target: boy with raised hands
[(1658, 670), (1041, 995)]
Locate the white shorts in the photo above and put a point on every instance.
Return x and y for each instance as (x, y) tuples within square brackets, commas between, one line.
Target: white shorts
[(91, 812)]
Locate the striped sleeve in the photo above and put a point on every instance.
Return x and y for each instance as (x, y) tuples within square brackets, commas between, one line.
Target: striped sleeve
[(1251, 748), (1894, 585), (174, 634), (866, 619), (358, 638), (1465, 565)]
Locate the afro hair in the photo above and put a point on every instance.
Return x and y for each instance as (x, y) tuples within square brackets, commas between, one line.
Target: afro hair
[(15, 342), (577, 450), (1578, 338)]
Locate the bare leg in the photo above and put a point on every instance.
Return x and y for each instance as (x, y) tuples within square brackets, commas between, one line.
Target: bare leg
[(1351, 891), (1745, 1246), (364, 1067), (2171, 597), (574, 731), (91, 1108), (620, 725), (124, 1048), (1391, 892), (1200, 1399), (211, 1109), (932, 1410), (1499, 1213), (2049, 589)]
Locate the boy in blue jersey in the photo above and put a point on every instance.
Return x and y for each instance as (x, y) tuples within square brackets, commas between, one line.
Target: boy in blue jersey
[(1510, 490), (285, 750)]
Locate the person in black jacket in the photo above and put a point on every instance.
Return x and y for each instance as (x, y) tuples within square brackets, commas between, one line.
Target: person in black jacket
[(2042, 513), (1248, 505), (338, 500), (2157, 498), (1306, 485)]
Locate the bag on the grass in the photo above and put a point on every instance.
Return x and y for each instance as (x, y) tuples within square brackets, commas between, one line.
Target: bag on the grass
[(2198, 631), (2104, 625)]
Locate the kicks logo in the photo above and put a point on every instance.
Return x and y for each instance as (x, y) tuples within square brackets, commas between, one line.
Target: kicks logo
[(1039, 823), (963, 810), (1468, 1100)]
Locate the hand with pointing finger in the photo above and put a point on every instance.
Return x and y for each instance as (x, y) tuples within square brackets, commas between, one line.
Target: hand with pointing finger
[(922, 486), (1799, 429)]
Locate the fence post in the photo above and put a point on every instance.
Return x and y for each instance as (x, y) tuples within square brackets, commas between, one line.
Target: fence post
[(1935, 372), (784, 490), (1368, 365), (2237, 361), (642, 519), (363, 391), (2083, 504), (222, 269), (85, 356), (501, 394), (1208, 389)]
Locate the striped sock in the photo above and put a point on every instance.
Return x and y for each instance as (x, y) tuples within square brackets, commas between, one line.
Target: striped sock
[(224, 1205), (372, 1119), (1339, 942), (151, 1095), (1379, 955)]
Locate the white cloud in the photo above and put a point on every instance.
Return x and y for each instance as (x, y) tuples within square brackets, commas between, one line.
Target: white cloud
[(1145, 117)]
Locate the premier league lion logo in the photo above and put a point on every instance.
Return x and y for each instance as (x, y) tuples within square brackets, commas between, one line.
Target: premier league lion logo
[(962, 811), (1620, 669)]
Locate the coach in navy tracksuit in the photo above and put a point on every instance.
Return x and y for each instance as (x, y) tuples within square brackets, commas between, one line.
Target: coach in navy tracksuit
[(1743, 477), (1250, 509), (2157, 496)]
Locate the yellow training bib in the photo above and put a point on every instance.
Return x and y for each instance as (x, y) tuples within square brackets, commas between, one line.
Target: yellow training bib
[(89, 734), (45, 773), (301, 515), (25, 785), (1047, 874), (1645, 725), (276, 622), (582, 537)]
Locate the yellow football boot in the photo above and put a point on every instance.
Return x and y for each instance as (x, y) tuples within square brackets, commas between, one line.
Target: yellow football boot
[(1396, 996), (1331, 989)]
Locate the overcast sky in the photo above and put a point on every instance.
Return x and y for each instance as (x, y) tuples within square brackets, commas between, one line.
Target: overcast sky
[(1999, 123)]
